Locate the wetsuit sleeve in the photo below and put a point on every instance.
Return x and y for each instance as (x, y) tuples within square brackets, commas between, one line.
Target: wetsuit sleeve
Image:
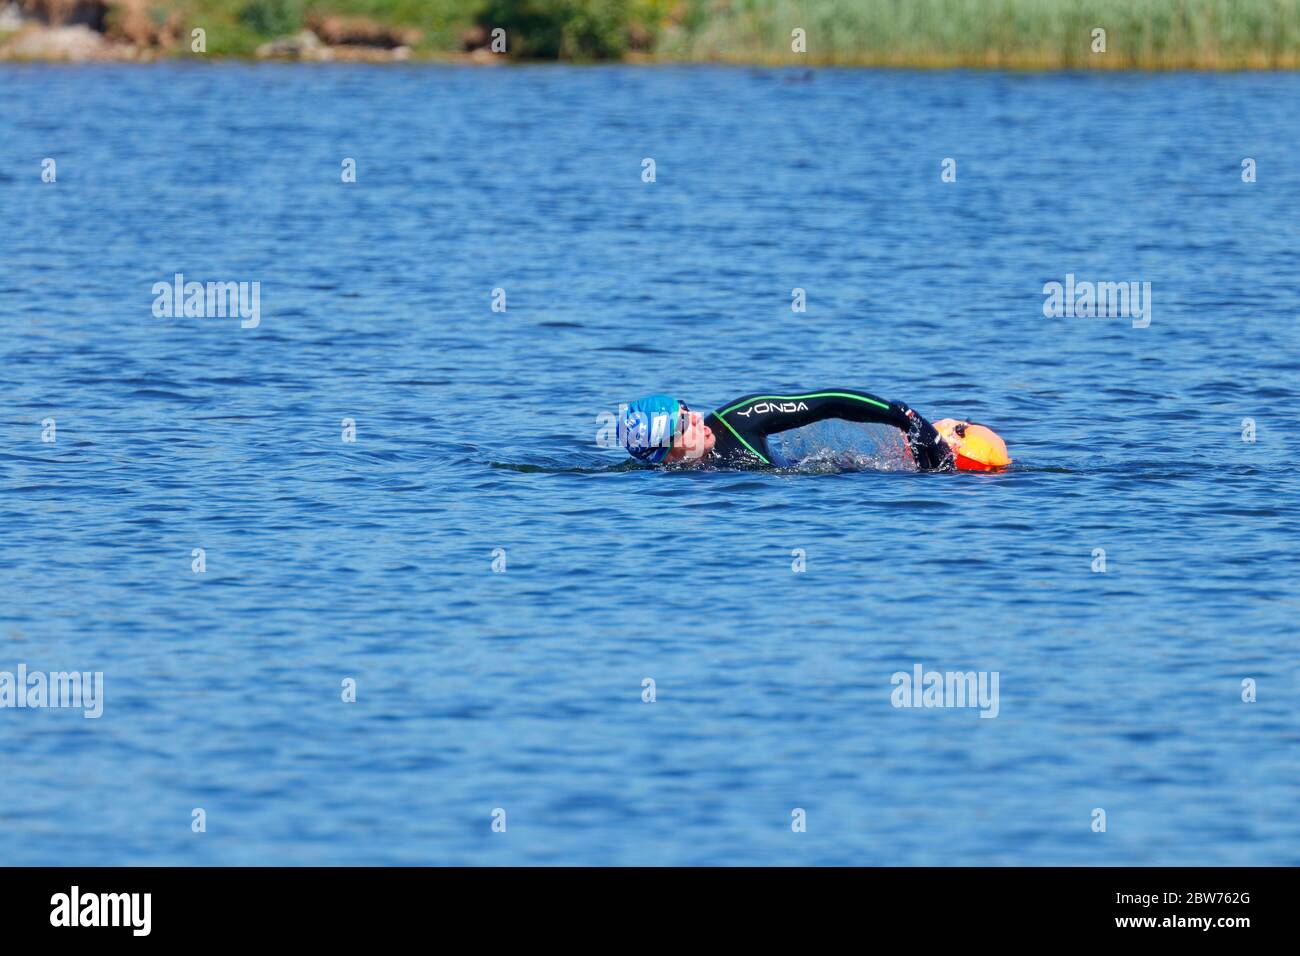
[(748, 421), (930, 451)]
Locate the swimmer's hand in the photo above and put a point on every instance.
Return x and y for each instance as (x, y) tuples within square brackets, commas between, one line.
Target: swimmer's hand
[(930, 451)]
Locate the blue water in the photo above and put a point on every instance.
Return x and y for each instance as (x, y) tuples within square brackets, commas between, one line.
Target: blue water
[(521, 689)]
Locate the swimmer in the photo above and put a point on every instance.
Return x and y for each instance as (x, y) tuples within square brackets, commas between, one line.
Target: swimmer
[(659, 429)]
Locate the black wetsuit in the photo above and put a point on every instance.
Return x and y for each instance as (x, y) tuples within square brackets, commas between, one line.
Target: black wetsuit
[(741, 427)]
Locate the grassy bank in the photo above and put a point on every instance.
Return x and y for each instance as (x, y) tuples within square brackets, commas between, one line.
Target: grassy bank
[(1018, 34), (1024, 34)]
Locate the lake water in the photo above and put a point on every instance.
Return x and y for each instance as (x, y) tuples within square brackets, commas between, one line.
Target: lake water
[(521, 689)]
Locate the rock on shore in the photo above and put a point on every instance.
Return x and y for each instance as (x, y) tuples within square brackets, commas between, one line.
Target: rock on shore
[(94, 30), (86, 30), (329, 37)]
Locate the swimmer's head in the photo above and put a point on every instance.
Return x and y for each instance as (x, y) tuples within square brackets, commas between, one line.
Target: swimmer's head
[(976, 447), (659, 428)]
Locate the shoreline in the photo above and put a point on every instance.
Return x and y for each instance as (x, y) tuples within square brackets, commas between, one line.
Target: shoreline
[(919, 65), (1026, 36)]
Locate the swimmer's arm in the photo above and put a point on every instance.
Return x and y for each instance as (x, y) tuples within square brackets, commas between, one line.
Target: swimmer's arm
[(769, 413), (929, 450), (754, 417)]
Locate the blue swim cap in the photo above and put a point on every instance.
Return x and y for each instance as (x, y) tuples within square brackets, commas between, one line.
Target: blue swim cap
[(649, 425)]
